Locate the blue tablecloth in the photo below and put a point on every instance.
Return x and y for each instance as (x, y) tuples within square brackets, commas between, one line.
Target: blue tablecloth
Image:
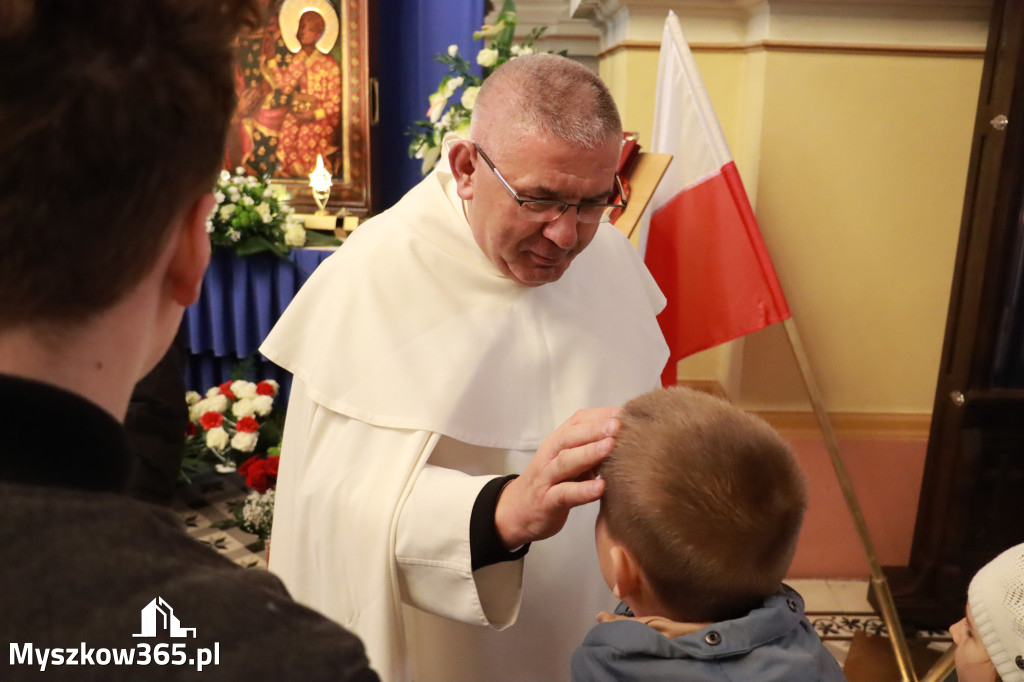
[(241, 300)]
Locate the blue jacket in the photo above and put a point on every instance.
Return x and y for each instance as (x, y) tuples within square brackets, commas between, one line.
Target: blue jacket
[(771, 643)]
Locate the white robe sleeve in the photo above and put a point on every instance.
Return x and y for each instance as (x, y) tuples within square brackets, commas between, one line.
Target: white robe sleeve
[(434, 556)]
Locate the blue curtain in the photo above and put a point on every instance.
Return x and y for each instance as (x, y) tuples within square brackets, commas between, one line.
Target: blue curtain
[(409, 34)]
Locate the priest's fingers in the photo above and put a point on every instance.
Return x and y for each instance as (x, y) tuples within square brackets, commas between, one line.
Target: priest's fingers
[(575, 464), (585, 426)]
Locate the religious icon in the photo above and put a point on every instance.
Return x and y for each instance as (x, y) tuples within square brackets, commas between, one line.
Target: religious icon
[(302, 87)]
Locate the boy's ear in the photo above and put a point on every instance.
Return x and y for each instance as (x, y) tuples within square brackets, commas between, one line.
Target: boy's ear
[(625, 573), (191, 252), (462, 159)]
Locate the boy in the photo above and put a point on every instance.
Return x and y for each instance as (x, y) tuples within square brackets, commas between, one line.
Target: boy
[(112, 123), (698, 524), (990, 638)]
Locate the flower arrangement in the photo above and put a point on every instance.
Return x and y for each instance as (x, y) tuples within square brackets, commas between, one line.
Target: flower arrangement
[(256, 515), (252, 215), (233, 422), (446, 114)]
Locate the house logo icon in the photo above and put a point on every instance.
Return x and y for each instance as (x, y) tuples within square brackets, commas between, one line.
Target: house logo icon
[(158, 615)]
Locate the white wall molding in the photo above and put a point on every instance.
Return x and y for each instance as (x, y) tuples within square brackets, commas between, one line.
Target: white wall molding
[(956, 25)]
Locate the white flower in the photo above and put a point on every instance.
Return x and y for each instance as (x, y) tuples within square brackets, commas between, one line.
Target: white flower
[(258, 513), (247, 200), (226, 210), (191, 397), (213, 391), (217, 439), (487, 57), (446, 120), (197, 410), (273, 384), (521, 50), (209, 225), (219, 196), (243, 389), (469, 96), (217, 403), (453, 85), (225, 176), (295, 235), (263, 209), (225, 468), (244, 442), (234, 235), (263, 405), (233, 193), (243, 408), (437, 105), (453, 50)]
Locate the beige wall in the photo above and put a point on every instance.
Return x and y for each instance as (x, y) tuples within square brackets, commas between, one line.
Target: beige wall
[(855, 161)]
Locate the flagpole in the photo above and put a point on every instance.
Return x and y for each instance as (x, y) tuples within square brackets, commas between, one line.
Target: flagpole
[(879, 584)]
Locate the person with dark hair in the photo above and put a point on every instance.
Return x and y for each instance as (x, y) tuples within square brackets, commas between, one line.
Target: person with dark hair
[(699, 521), (432, 354), (112, 124)]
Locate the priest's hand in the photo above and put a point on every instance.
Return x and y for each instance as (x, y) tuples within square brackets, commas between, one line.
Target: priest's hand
[(559, 477)]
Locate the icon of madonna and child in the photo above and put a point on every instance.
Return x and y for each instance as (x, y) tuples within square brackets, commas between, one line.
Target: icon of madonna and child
[(288, 81)]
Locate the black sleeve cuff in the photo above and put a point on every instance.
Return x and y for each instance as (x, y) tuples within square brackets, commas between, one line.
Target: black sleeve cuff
[(485, 544)]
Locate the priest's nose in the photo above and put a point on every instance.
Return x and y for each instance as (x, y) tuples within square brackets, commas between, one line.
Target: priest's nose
[(562, 230)]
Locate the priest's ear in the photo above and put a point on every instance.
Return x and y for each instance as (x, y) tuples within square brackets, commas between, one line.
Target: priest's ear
[(463, 160)]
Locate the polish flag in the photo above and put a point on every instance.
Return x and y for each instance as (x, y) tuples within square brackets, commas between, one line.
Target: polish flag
[(703, 246)]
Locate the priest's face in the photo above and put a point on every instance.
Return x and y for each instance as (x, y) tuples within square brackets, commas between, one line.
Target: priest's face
[(529, 252)]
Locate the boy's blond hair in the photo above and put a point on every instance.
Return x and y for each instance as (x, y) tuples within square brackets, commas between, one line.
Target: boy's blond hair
[(708, 499)]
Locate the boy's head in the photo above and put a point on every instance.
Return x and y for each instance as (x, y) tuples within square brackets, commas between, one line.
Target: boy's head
[(112, 125), (990, 639), (702, 507)]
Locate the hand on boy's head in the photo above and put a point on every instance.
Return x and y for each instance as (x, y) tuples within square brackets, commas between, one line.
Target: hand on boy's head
[(560, 476)]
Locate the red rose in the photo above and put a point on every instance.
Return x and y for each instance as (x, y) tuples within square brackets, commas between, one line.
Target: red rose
[(225, 388), (190, 430), (211, 420), (265, 388), (260, 473), (247, 425)]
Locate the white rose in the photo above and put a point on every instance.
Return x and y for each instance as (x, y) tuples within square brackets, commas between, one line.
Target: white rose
[(233, 193), (217, 439), (487, 57), (247, 200), (263, 405), (243, 389), (453, 50), (234, 235), (191, 397), (218, 196), (273, 384), (244, 442), (198, 409), (239, 171), (242, 408), (453, 85), (263, 209), (469, 96), (295, 235), (213, 391), (521, 50), (217, 403), (226, 210), (225, 176)]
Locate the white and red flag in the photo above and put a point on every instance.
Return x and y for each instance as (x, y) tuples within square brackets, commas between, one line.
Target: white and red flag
[(703, 245)]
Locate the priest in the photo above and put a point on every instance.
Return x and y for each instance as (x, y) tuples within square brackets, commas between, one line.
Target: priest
[(432, 355)]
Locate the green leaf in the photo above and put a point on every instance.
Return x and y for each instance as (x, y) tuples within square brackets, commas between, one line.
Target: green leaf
[(315, 238), (253, 244)]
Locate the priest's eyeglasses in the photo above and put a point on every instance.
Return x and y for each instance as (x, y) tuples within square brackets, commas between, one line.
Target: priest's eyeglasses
[(544, 210)]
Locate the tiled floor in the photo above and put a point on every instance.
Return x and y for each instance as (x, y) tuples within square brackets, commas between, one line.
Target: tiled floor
[(836, 608)]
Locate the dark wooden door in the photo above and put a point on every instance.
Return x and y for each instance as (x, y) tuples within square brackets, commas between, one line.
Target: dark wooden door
[(972, 499)]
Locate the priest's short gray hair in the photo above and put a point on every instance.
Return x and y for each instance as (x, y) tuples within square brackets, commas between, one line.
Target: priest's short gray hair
[(549, 95)]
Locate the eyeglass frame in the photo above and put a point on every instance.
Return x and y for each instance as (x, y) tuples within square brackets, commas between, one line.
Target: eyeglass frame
[(555, 202)]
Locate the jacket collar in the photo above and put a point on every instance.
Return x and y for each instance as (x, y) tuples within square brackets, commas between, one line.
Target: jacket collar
[(53, 437)]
